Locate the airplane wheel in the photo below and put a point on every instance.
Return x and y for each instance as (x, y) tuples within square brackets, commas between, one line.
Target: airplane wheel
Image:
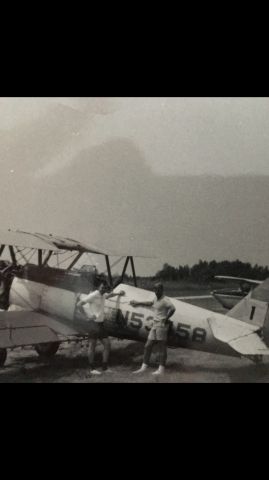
[(3, 356), (47, 350)]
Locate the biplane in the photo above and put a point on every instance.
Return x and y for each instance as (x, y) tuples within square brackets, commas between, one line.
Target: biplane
[(40, 286), (39, 303), (229, 297)]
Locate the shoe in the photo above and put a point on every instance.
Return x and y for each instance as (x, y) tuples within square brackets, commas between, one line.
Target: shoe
[(142, 369), (95, 372), (108, 370), (160, 371)]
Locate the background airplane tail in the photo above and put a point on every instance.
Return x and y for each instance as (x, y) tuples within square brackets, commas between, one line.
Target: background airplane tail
[(254, 309)]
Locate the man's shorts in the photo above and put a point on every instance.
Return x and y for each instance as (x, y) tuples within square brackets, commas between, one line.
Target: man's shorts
[(158, 334), (97, 331)]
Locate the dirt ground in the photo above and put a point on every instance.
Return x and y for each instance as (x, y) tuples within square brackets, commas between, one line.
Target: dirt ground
[(70, 365)]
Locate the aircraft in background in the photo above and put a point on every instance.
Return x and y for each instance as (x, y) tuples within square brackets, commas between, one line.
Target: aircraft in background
[(40, 305), (229, 297)]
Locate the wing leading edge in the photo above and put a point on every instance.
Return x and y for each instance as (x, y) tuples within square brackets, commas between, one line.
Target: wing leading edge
[(238, 279)]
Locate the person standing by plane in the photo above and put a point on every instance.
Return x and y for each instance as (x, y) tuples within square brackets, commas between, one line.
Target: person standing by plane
[(96, 300), (163, 311)]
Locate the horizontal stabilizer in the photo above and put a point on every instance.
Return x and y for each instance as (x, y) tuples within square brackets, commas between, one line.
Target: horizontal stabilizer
[(242, 337), (250, 345)]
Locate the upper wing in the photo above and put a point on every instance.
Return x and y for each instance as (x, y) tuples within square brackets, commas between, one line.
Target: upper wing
[(238, 279), (242, 337), (24, 328), (55, 243)]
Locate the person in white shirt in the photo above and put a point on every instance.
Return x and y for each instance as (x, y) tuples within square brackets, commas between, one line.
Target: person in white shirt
[(96, 300)]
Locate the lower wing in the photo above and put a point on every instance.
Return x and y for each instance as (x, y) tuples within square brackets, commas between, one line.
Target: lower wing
[(23, 328)]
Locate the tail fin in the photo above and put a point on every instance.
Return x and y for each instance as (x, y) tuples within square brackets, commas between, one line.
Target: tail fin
[(254, 309)]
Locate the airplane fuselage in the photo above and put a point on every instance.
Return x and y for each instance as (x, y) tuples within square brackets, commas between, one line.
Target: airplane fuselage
[(189, 328)]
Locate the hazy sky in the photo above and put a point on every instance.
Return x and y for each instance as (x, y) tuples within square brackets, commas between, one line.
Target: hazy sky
[(183, 177)]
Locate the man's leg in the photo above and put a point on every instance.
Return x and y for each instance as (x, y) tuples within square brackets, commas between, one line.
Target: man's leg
[(91, 355), (162, 344), (163, 354), (147, 355), (148, 351), (106, 353)]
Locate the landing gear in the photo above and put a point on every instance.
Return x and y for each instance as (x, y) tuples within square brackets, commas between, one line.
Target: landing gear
[(3, 356), (47, 350)]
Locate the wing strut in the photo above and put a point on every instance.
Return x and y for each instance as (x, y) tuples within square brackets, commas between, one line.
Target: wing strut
[(75, 261), (124, 268), (12, 255), (47, 258), (133, 270), (109, 271), (39, 257)]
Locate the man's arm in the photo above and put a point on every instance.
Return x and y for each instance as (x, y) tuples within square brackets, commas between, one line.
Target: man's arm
[(170, 312), (134, 303), (118, 294)]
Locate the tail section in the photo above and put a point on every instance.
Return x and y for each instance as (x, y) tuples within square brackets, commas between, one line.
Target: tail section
[(254, 309)]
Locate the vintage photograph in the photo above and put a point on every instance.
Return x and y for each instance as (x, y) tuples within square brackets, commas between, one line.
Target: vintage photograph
[(133, 240)]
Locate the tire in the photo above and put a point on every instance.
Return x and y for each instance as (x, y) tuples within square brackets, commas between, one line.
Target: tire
[(3, 356), (47, 350)]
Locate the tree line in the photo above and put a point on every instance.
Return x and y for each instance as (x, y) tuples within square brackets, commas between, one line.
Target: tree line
[(204, 271)]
